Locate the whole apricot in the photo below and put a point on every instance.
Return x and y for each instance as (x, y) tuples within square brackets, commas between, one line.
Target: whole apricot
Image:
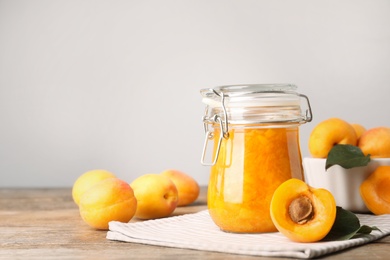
[(375, 191), (329, 133), (187, 187), (156, 194), (87, 180), (359, 130), (376, 142), (302, 213), (111, 199)]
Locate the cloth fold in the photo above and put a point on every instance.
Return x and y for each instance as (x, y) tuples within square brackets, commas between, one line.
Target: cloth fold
[(197, 231)]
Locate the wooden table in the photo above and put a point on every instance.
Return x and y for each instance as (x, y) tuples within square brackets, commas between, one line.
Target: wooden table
[(45, 224)]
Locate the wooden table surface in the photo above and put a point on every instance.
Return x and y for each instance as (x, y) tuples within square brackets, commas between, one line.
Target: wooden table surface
[(45, 224)]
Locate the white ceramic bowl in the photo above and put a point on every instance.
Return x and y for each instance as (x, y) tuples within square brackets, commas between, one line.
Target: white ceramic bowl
[(343, 183)]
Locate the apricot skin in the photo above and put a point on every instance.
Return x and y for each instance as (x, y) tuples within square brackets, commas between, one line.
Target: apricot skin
[(375, 191), (87, 180), (156, 194), (376, 142), (187, 188), (359, 129), (318, 226), (329, 133), (109, 200)]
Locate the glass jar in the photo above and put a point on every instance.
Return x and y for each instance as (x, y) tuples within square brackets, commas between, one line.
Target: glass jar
[(255, 136)]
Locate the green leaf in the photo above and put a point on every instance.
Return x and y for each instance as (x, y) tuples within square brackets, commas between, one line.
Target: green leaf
[(347, 226), (367, 229), (347, 156)]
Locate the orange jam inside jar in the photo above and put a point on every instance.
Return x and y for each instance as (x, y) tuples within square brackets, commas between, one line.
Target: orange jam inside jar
[(255, 131)]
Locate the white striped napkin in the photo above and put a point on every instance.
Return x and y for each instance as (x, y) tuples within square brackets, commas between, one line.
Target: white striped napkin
[(198, 231)]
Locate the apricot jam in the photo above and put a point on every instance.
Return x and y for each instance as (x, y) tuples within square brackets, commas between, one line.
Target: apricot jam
[(252, 154), (252, 163)]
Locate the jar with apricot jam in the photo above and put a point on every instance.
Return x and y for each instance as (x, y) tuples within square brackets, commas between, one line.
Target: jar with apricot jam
[(252, 132)]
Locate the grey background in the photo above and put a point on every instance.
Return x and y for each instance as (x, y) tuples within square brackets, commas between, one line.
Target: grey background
[(115, 84)]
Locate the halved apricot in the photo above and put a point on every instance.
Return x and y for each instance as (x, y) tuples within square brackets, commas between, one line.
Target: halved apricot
[(302, 213), (375, 191)]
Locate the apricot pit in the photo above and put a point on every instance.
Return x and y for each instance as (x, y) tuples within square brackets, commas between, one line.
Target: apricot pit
[(301, 210)]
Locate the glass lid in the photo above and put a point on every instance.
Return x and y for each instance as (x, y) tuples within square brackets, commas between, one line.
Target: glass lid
[(247, 89), (252, 95)]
